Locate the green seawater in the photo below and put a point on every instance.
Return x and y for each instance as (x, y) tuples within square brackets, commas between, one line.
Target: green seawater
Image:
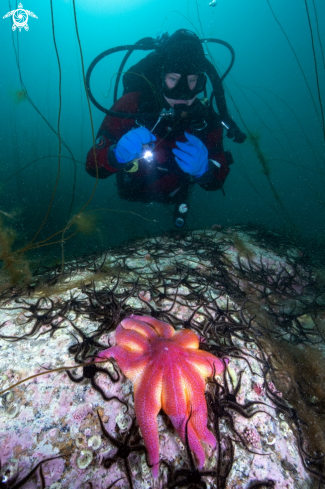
[(275, 93)]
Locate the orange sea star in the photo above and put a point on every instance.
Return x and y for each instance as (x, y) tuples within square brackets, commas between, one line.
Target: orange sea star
[(168, 372)]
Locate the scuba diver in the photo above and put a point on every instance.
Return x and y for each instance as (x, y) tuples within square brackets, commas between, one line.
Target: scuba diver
[(159, 138)]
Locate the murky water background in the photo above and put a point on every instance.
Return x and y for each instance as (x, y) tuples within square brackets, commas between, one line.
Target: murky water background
[(272, 94)]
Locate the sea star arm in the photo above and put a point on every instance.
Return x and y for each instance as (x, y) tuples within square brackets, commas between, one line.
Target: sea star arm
[(132, 323), (132, 364), (147, 404), (186, 339), (198, 406), (163, 329), (205, 363), (183, 393), (131, 340)]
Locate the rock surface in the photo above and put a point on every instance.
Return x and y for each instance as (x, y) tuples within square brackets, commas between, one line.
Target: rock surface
[(225, 285)]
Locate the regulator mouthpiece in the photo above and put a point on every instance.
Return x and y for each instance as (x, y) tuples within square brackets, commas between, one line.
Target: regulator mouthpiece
[(167, 113)]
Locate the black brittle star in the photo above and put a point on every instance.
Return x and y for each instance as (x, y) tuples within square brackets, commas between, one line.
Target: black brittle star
[(12, 483), (43, 316), (89, 372), (191, 477), (219, 402), (123, 448), (86, 346)]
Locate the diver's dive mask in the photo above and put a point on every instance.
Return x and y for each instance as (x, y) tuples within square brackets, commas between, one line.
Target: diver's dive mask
[(182, 90)]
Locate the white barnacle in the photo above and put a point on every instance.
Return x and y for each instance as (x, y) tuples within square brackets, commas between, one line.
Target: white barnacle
[(85, 458), (271, 439), (12, 411), (123, 421), (94, 442), (10, 396), (80, 440)]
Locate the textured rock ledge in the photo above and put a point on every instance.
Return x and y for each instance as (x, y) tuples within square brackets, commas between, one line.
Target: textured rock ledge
[(205, 278)]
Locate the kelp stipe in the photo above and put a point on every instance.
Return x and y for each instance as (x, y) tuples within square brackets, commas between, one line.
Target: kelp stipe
[(38, 159), (318, 34), (58, 130), (28, 98), (292, 148), (321, 119), (254, 140), (49, 241), (156, 94), (49, 371), (72, 221), (316, 68)]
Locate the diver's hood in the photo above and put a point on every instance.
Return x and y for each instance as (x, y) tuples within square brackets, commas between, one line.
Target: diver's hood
[(185, 57)]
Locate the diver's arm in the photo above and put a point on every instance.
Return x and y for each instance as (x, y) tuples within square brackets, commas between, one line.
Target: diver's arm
[(215, 176), (218, 169), (110, 132), (205, 161), (98, 159)]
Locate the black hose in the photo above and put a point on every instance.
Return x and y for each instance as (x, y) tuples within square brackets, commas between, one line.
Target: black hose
[(216, 80), (126, 57), (128, 47), (149, 44), (232, 52)]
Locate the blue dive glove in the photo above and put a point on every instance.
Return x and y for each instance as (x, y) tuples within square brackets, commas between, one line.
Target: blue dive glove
[(130, 145), (192, 157)]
